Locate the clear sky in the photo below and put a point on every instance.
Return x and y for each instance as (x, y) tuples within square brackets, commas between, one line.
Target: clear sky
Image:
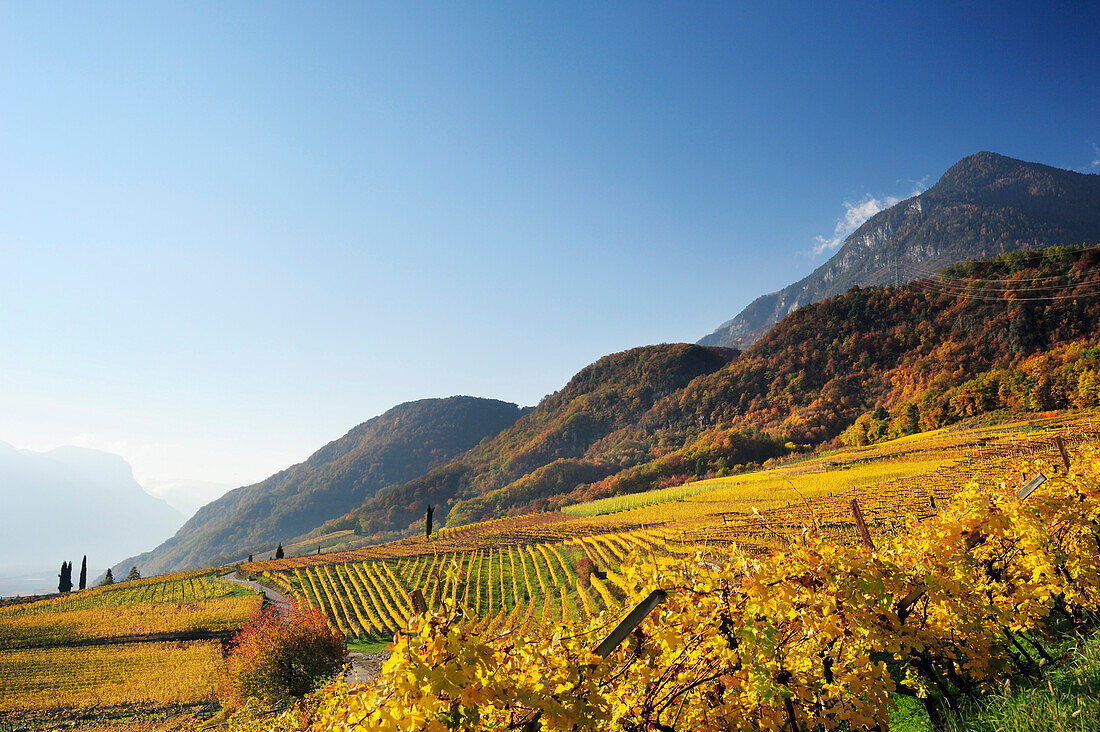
[(232, 231)]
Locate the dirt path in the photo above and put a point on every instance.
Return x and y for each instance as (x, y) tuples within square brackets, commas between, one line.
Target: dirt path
[(281, 602), (364, 667)]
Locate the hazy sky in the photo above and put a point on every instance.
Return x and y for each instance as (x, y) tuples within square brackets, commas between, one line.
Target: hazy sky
[(232, 231)]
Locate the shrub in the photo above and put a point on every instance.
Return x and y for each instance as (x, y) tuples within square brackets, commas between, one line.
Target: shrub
[(584, 568), (276, 658)]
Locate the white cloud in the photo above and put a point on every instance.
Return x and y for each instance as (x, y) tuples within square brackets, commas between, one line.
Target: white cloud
[(1095, 155), (856, 213), (854, 216)]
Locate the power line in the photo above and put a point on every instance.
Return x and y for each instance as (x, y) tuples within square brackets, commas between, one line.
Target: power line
[(917, 269), (925, 273), (979, 287), (1090, 289)]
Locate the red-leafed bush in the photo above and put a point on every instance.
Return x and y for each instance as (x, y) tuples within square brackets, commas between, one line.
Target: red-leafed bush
[(584, 567), (275, 658)]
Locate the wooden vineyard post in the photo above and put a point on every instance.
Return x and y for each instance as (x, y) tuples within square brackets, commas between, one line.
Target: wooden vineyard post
[(617, 636), (416, 597), (861, 525), (1062, 449), (630, 622), (1032, 484)]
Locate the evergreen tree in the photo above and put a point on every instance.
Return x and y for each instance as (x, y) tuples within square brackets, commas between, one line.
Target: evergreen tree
[(108, 579), (134, 574), (250, 558), (65, 579), (428, 521), (279, 552), (84, 572)]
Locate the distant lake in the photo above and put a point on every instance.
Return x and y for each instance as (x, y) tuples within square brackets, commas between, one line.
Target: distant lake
[(39, 582)]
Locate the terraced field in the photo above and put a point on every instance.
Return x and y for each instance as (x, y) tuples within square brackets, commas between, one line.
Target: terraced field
[(145, 643), (530, 572)]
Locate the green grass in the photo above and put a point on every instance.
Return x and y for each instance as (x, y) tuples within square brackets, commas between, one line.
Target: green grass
[(369, 646), (909, 715), (1066, 698), (630, 501)]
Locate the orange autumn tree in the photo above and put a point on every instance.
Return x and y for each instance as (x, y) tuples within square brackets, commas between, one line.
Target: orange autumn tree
[(277, 658)]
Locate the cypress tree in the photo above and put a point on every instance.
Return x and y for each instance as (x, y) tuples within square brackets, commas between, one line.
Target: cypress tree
[(65, 579), (279, 552), (84, 572), (428, 521)]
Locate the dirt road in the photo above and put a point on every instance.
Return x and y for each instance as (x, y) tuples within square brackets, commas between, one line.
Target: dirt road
[(281, 602)]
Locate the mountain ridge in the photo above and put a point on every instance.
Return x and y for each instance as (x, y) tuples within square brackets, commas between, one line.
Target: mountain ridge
[(659, 415), (555, 438), (911, 349), (392, 448), (983, 205)]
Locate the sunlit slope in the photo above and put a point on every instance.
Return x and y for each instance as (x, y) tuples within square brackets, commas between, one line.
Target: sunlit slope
[(561, 443), (984, 205), (1017, 333), (530, 572), (154, 642)]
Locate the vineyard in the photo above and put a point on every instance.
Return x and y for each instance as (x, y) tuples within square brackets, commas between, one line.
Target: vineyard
[(530, 573), (941, 606), (525, 587), (154, 641), (103, 676), (535, 592)]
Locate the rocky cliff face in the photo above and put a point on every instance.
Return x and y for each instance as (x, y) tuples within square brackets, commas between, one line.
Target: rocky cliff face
[(985, 205)]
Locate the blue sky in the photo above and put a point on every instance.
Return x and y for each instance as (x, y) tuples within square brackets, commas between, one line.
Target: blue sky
[(232, 231)]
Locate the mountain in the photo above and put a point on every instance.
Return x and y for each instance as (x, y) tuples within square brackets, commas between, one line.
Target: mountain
[(70, 502), (390, 449), (986, 204), (1018, 332), (563, 442)]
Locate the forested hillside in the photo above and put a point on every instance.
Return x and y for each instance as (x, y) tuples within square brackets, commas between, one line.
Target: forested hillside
[(550, 450), (984, 205), (1017, 332), (390, 449)]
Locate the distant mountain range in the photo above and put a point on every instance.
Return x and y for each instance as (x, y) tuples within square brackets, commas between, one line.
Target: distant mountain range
[(984, 205), (405, 442), (70, 502)]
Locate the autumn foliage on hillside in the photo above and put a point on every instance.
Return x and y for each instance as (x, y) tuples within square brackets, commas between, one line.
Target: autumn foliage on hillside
[(817, 636), (1018, 332)]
